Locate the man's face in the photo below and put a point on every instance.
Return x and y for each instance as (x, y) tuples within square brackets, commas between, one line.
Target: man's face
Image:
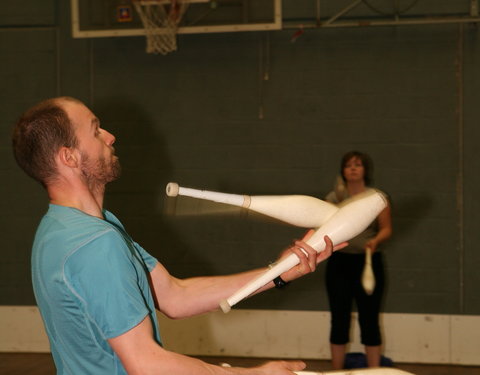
[(98, 163)]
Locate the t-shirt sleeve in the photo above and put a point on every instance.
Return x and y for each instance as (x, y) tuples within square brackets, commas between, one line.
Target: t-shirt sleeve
[(108, 279), (150, 261), (331, 197)]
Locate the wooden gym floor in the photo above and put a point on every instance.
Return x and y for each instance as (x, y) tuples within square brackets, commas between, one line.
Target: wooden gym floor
[(42, 364)]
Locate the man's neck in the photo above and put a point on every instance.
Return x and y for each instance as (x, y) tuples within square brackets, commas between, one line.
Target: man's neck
[(89, 201)]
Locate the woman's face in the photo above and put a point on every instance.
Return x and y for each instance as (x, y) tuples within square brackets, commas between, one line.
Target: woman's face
[(354, 170)]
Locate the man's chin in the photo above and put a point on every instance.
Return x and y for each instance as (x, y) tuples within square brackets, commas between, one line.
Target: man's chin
[(116, 171)]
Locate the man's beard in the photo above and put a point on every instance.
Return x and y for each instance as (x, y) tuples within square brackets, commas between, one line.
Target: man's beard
[(99, 172)]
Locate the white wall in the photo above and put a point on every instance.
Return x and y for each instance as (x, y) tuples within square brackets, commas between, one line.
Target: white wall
[(411, 338)]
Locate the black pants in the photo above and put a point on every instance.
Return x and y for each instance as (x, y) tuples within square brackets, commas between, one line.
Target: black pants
[(343, 280)]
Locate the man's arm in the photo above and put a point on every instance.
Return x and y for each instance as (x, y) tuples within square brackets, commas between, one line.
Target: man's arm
[(180, 298), (141, 355)]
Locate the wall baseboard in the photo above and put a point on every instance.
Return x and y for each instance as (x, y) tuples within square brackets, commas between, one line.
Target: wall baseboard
[(410, 338)]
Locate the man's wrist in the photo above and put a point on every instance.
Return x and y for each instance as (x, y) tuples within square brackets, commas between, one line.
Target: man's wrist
[(280, 283)]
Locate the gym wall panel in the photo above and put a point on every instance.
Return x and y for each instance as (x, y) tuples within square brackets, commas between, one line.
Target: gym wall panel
[(28, 73), (207, 117), (28, 13)]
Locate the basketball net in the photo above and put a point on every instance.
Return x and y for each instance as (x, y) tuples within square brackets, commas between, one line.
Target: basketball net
[(160, 18)]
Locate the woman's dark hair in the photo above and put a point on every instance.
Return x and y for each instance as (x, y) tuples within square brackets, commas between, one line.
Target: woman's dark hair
[(366, 161)]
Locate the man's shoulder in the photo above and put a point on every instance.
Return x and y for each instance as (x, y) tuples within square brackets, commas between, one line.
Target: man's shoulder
[(66, 221), (64, 215), (67, 230)]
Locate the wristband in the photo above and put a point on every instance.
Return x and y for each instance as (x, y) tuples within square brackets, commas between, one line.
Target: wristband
[(280, 283)]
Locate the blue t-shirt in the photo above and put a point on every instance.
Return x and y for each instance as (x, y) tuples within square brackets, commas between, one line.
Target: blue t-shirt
[(91, 284)]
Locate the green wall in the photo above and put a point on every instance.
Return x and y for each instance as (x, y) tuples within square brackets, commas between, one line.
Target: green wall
[(406, 95)]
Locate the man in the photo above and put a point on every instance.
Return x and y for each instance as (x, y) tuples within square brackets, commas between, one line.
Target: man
[(96, 288)]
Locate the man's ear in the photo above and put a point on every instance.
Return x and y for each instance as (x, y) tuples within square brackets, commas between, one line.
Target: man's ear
[(68, 157)]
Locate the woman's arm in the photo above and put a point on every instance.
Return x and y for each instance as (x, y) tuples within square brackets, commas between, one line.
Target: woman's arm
[(385, 229)]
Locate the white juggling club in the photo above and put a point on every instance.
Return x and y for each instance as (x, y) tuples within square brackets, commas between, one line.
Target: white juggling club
[(299, 210), (361, 371), (368, 278), (350, 220)]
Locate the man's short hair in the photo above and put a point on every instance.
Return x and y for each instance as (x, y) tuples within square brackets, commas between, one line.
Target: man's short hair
[(38, 135)]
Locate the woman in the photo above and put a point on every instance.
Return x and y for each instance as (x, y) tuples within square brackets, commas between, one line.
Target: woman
[(344, 268)]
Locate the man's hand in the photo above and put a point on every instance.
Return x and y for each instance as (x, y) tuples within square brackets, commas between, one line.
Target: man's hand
[(309, 257)]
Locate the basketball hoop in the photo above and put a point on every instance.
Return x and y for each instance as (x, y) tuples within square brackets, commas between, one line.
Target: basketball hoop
[(161, 18)]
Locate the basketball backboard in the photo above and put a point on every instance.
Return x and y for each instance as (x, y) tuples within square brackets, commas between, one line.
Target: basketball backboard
[(117, 18)]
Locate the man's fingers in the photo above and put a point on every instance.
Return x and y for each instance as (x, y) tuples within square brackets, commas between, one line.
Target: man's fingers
[(340, 246), (309, 234), (307, 256)]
